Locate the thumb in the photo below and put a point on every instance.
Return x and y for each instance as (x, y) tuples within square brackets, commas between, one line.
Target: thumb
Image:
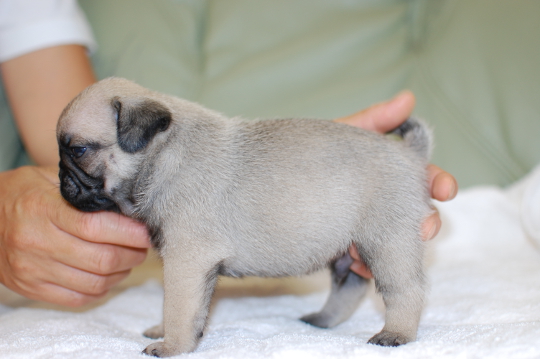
[(384, 116)]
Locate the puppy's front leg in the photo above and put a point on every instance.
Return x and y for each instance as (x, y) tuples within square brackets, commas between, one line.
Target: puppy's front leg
[(189, 284)]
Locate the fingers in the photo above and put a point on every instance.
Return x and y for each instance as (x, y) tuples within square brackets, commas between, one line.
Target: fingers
[(431, 226), (97, 258), (358, 266), (384, 116), (85, 251), (72, 279), (443, 185), (52, 293), (36, 274), (84, 282), (104, 227), (101, 227)]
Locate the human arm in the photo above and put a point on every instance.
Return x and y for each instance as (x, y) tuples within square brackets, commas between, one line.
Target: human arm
[(39, 85), (382, 118)]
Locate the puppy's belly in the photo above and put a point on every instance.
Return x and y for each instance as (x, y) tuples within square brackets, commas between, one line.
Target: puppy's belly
[(281, 260), (240, 269)]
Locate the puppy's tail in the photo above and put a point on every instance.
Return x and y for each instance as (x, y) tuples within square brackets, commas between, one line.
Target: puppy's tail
[(417, 135)]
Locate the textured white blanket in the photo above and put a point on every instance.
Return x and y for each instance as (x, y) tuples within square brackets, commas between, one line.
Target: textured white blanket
[(484, 303)]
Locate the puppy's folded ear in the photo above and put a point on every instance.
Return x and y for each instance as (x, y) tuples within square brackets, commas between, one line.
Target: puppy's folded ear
[(138, 123)]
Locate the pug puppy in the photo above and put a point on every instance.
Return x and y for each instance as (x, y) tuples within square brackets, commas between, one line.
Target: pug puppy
[(272, 198)]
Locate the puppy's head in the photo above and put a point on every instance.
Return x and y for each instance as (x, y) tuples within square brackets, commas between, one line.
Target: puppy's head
[(104, 135)]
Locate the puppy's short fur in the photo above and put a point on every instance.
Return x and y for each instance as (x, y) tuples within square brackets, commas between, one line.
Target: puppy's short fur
[(252, 198)]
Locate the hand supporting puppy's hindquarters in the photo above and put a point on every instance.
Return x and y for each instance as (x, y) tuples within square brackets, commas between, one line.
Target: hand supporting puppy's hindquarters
[(384, 117)]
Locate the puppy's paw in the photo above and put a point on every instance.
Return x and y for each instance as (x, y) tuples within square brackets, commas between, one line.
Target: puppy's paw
[(317, 319), (389, 339), (155, 332), (160, 350)]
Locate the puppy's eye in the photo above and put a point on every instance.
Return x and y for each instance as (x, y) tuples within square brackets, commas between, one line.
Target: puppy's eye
[(77, 152)]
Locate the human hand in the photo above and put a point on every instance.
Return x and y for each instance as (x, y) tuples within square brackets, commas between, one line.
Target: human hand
[(384, 117), (52, 252)]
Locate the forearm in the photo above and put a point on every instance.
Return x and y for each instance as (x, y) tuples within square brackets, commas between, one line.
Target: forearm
[(39, 85)]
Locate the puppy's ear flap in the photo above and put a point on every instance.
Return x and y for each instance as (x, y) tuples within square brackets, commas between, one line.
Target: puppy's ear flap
[(138, 124)]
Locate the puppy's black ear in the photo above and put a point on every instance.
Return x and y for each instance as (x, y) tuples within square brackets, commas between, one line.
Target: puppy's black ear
[(138, 124)]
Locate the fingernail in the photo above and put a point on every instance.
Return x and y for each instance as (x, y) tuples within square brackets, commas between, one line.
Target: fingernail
[(432, 232), (398, 102), (453, 191), (400, 94), (429, 227)]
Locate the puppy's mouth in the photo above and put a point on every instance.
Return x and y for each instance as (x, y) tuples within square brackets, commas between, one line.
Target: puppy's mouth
[(83, 191)]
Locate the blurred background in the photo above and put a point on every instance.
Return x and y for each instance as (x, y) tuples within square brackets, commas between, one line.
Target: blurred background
[(474, 65)]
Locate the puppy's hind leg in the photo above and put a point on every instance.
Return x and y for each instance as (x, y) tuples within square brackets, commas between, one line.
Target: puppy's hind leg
[(347, 290), (399, 277)]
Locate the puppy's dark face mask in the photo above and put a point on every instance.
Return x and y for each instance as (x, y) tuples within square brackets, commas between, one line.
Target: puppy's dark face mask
[(98, 163), (84, 191)]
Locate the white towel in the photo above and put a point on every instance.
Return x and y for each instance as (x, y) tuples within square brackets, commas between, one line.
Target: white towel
[(484, 303), (530, 206)]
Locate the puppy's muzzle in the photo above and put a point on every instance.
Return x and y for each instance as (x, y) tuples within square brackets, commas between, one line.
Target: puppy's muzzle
[(82, 191)]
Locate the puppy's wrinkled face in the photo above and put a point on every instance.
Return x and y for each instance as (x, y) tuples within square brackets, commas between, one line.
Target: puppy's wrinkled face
[(102, 136)]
